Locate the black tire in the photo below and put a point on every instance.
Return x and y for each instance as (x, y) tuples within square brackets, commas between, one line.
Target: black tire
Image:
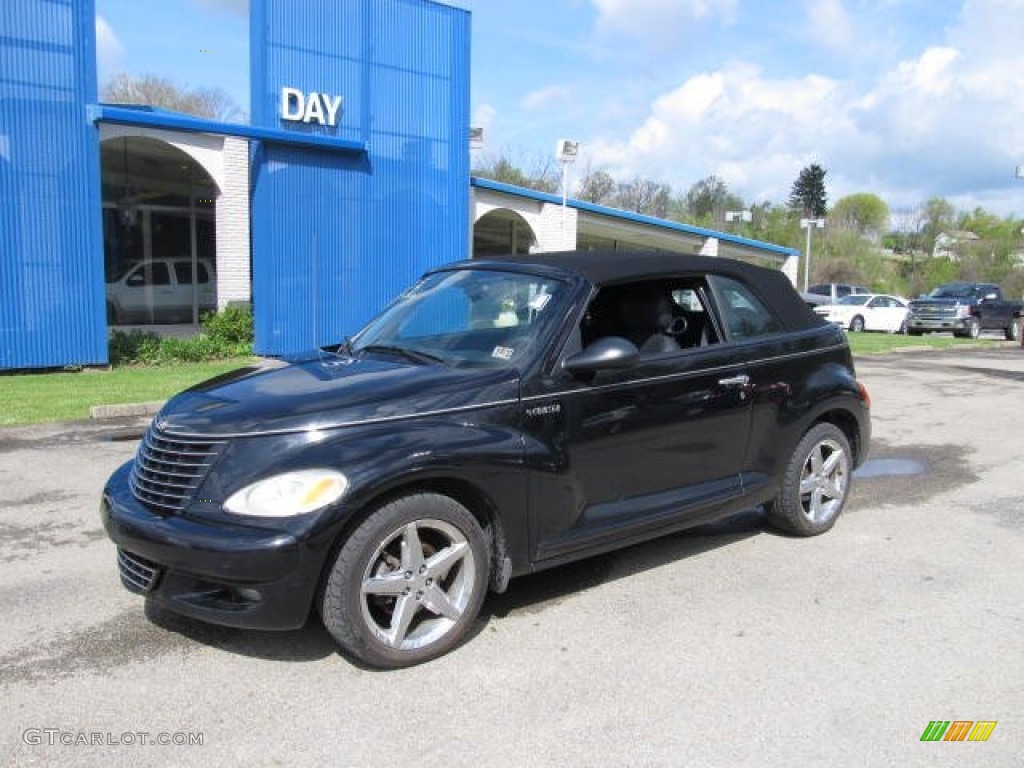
[(857, 324), (902, 330), (111, 314), (816, 483), (1012, 331), (914, 332), (383, 575)]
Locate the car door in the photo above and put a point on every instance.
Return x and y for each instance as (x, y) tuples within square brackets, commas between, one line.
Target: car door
[(626, 453), (148, 291)]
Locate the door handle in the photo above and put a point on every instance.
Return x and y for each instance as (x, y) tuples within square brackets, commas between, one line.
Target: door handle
[(735, 381)]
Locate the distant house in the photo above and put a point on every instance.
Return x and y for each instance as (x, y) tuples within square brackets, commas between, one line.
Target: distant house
[(949, 245)]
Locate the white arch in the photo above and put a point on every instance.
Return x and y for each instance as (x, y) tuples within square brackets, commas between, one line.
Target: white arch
[(551, 231), (205, 149)]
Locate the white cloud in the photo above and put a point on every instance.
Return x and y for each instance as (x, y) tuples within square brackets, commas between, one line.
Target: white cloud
[(831, 25), (752, 131), (946, 122), (109, 50), (658, 22), (483, 117), (234, 6), (542, 98)]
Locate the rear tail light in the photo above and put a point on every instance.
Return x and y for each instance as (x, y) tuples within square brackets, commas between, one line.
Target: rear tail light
[(863, 391)]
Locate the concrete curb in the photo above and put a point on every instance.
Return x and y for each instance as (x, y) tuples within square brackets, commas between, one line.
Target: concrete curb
[(124, 409)]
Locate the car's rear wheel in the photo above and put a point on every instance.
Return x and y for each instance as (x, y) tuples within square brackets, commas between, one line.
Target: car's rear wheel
[(816, 483), (407, 585), (857, 324), (1012, 331)]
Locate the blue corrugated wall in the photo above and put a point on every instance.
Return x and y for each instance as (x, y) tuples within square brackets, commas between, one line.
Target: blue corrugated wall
[(51, 241), (337, 234)]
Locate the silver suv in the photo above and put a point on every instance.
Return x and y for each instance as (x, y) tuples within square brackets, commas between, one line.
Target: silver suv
[(160, 290)]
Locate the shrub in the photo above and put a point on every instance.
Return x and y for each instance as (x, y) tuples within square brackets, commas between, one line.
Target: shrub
[(227, 334), (232, 325), (133, 347)]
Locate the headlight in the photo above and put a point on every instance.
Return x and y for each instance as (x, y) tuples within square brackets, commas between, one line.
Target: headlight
[(293, 493)]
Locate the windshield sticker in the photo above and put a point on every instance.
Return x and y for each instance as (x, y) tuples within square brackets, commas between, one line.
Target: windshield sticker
[(538, 302), (503, 353)]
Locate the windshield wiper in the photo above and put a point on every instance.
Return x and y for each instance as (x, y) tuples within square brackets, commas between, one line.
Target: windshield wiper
[(413, 355), (342, 350)]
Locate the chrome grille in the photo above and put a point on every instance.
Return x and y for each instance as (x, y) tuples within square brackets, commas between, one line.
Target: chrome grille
[(137, 573), (168, 470), (935, 313)]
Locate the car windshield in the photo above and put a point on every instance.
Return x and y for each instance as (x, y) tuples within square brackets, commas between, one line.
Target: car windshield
[(954, 291), (466, 317), (854, 298)]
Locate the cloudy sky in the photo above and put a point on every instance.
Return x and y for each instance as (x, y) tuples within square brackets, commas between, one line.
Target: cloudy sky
[(909, 99)]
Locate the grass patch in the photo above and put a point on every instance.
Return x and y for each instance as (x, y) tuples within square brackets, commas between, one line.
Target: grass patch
[(877, 343), (36, 397)]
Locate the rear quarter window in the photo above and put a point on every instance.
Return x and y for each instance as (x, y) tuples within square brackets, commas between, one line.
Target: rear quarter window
[(744, 315)]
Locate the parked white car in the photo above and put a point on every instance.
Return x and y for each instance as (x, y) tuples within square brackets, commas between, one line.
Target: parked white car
[(868, 312), (160, 290)]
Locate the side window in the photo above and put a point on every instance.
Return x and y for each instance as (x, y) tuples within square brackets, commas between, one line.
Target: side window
[(744, 314), (150, 273), (183, 272), (843, 290), (658, 316)]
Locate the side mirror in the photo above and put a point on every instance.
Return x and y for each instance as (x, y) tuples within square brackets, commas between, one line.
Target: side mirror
[(606, 354)]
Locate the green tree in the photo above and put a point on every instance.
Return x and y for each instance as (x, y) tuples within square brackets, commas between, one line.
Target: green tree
[(708, 199), (644, 196), (938, 218), (863, 213), (154, 91), (597, 187), (808, 195), (544, 177)]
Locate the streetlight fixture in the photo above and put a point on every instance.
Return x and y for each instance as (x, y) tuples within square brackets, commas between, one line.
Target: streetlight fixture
[(743, 215), (808, 224), (476, 137), (567, 151)]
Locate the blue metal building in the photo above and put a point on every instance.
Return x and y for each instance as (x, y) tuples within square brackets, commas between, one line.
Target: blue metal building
[(360, 173)]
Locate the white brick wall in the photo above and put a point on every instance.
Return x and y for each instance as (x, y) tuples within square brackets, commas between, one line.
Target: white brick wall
[(233, 263)]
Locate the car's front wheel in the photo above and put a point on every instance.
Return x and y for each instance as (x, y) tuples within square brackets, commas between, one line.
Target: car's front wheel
[(407, 585), (972, 331), (1012, 331), (816, 483)]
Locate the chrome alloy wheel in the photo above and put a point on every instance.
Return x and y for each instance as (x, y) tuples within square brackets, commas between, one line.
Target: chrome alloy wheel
[(417, 584), (824, 480)]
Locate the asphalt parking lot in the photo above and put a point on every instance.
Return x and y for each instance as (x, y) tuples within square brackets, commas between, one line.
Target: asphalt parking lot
[(727, 645)]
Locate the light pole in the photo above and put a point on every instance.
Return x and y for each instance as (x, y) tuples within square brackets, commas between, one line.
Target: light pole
[(743, 215), (566, 151), (807, 224)]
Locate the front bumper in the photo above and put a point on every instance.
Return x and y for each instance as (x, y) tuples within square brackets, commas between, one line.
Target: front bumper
[(938, 324), (221, 573)]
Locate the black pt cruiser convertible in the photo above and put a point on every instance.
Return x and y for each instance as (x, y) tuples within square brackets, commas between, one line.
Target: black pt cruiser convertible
[(498, 418)]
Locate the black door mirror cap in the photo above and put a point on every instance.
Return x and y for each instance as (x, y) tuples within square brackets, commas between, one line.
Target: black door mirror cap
[(608, 353)]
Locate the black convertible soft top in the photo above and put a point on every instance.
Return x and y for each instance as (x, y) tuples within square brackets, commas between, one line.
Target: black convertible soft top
[(610, 267)]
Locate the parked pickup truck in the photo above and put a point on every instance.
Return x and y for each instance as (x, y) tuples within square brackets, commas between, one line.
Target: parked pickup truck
[(966, 309)]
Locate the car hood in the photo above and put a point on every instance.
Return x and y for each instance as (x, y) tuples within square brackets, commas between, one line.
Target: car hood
[(327, 391), (940, 302)]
